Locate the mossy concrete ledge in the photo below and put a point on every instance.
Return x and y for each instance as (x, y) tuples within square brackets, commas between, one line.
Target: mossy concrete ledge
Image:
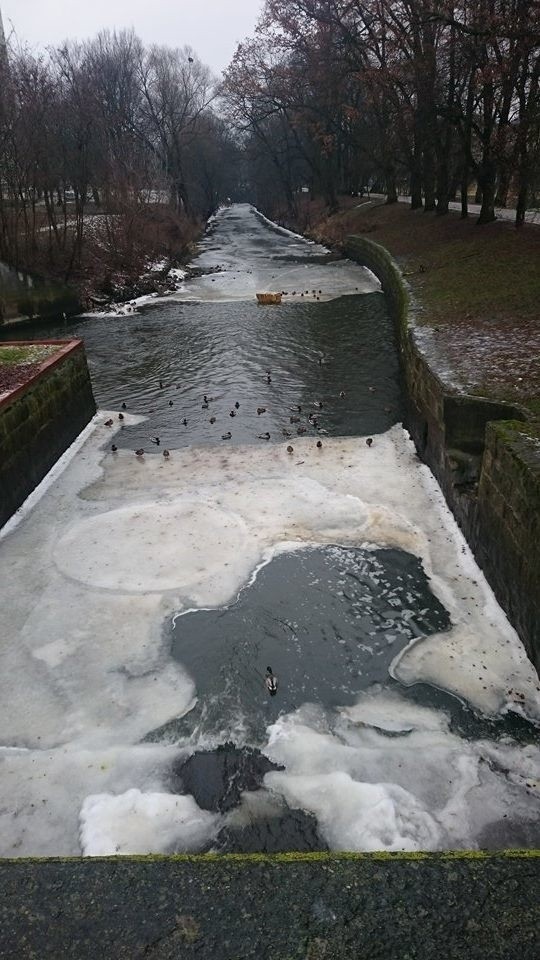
[(290, 907), (485, 455), (40, 419)]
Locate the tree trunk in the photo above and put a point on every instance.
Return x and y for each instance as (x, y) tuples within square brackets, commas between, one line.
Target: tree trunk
[(429, 180), (487, 181), (416, 187), (391, 189), (465, 191)]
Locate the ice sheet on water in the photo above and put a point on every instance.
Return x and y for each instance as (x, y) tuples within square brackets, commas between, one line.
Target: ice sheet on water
[(136, 822), (85, 636)]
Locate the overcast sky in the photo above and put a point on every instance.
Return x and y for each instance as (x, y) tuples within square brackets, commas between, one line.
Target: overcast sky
[(211, 27)]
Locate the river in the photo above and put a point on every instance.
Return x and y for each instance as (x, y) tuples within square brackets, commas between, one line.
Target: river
[(148, 595)]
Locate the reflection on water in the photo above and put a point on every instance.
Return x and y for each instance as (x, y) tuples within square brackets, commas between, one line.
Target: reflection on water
[(314, 352)]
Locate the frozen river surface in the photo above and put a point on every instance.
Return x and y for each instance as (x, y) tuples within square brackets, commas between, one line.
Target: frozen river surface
[(143, 597)]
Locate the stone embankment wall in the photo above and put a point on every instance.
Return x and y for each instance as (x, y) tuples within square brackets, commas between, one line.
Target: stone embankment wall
[(23, 297), (40, 420), (486, 457)]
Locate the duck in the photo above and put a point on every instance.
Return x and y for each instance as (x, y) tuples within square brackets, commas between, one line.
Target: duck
[(237, 405), (120, 416), (294, 419), (114, 448), (318, 404), (161, 384), (232, 413), (342, 394), (171, 403), (184, 421), (369, 441), (212, 420), (290, 449), (264, 436), (260, 410), (124, 406), (286, 433), (271, 682), (226, 436), (319, 444), (155, 440), (166, 454), (139, 452), (301, 430), (269, 379), (109, 423), (371, 389), (205, 406)]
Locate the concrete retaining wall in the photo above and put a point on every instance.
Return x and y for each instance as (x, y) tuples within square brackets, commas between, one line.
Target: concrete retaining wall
[(486, 457), (23, 297), (40, 420), (288, 907)]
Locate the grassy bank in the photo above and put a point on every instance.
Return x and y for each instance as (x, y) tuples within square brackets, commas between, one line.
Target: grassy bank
[(475, 290)]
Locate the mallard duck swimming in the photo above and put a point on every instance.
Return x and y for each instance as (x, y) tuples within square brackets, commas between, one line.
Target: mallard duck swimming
[(264, 436), (227, 436), (260, 410), (184, 421), (237, 405), (155, 440), (232, 413), (124, 406), (271, 682), (212, 420)]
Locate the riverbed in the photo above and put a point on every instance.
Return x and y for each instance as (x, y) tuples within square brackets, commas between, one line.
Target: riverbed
[(145, 596)]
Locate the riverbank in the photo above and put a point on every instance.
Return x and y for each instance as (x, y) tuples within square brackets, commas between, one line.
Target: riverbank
[(120, 260), (474, 291)]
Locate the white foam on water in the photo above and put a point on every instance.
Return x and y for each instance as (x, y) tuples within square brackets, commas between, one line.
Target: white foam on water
[(43, 791), (424, 787), (115, 545), (360, 816), (138, 823)]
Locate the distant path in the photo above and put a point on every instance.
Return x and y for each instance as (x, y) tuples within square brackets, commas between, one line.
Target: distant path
[(502, 213)]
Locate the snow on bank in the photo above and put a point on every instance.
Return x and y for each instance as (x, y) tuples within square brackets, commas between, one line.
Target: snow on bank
[(117, 544)]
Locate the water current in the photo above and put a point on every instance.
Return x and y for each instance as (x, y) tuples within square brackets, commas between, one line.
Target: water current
[(355, 751)]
